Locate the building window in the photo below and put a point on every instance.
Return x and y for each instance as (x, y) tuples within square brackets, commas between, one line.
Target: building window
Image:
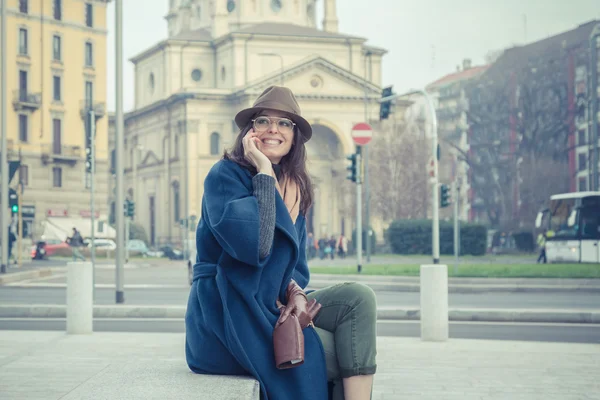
[(56, 177), (214, 143), (89, 15), (57, 10), (582, 162), (89, 94), (113, 161), (176, 200), (24, 175), (56, 48), (581, 140), (56, 136), (56, 95), (582, 184), (89, 55), (24, 6), (23, 128), (176, 147), (23, 41)]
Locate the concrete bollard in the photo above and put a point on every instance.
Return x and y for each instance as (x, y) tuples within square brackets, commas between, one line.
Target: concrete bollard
[(80, 297), (434, 303)]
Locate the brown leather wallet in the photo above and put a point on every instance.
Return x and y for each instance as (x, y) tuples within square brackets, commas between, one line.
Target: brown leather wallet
[(288, 342)]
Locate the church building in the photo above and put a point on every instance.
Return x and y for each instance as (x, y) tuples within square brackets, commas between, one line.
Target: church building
[(219, 56)]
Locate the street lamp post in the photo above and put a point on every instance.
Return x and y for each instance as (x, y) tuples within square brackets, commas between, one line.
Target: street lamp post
[(280, 61), (4, 149), (433, 278), (594, 104), (119, 144), (435, 229)]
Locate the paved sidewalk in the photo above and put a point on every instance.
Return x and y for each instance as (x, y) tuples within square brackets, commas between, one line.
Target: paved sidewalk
[(53, 365)]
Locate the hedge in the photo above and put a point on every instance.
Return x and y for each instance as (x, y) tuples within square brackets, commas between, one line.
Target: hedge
[(414, 237)]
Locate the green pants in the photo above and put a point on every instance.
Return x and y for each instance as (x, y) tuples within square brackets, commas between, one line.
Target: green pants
[(347, 326)]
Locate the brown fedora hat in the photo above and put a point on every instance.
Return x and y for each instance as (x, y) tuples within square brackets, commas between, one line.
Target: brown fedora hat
[(276, 98)]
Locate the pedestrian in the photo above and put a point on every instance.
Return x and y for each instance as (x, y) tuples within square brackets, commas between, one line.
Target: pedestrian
[(76, 241), (542, 244), (11, 240), (251, 271), (342, 246)]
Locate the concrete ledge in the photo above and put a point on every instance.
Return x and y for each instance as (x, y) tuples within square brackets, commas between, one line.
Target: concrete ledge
[(383, 313), (148, 379)]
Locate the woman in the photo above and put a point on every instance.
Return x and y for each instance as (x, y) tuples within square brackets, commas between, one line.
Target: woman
[(251, 251)]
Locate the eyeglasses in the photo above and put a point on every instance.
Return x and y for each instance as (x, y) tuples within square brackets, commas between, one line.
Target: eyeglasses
[(284, 125)]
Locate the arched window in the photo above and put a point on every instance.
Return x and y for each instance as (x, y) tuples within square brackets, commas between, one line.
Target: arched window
[(215, 144), (176, 201)]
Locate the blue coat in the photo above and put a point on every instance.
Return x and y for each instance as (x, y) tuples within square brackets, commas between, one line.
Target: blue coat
[(232, 308)]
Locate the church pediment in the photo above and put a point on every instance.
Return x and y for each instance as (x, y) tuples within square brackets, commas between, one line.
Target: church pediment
[(315, 77), (150, 159)]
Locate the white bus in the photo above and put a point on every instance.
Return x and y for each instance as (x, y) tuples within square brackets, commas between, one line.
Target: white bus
[(573, 224)]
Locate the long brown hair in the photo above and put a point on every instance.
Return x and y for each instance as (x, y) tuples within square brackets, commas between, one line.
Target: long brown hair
[(292, 164)]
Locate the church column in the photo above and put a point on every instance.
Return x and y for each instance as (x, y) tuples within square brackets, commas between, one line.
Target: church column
[(220, 17), (317, 212), (330, 20)]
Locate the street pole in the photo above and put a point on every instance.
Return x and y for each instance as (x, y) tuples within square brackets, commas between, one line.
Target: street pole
[(92, 178), (3, 148), (435, 199), (594, 106), (119, 144), (366, 166), (20, 225), (456, 190), (186, 201), (359, 208)]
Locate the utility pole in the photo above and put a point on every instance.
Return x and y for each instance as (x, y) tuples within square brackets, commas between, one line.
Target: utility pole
[(366, 169), (594, 106), (92, 149), (359, 208), (455, 197), (119, 143), (3, 148)]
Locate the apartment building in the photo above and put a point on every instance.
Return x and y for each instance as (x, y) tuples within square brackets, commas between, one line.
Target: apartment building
[(56, 72)]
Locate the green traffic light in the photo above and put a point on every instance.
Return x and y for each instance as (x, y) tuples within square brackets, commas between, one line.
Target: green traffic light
[(15, 209)]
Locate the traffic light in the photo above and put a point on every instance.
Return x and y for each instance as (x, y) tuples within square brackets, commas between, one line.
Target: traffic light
[(131, 209), (444, 195), (352, 168), (13, 201), (126, 208), (386, 106)]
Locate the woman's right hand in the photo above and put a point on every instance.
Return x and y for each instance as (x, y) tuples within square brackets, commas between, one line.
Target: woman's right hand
[(253, 154)]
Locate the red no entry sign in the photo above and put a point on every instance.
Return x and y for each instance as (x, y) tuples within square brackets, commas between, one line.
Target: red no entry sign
[(362, 133)]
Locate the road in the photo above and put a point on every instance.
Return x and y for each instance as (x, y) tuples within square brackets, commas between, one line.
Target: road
[(157, 295), (572, 333)]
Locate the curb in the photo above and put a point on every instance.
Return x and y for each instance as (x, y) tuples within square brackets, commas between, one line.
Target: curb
[(24, 275), (461, 288), (383, 313), (396, 283)]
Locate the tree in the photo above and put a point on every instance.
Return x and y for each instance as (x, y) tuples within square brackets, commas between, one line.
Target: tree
[(519, 121), (398, 174)]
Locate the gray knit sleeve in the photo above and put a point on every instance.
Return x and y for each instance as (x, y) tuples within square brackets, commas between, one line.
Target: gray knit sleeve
[(264, 191)]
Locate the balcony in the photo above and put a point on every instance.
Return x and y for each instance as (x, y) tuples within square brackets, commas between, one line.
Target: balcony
[(22, 100), (53, 153), (86, 105)]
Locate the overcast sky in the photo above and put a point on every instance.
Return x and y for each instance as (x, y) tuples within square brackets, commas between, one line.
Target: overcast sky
[(426, 39)]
